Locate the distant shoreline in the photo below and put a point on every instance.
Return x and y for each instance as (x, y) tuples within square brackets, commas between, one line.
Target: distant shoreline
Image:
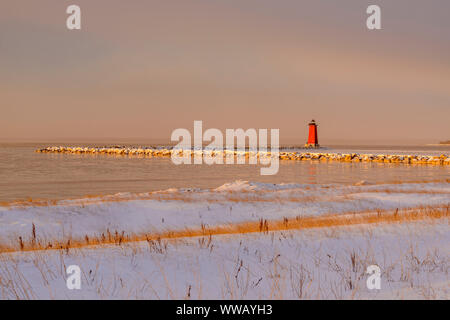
[(444, 143)]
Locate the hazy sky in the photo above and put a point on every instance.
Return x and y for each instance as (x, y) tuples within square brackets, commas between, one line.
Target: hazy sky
[(140, 69)]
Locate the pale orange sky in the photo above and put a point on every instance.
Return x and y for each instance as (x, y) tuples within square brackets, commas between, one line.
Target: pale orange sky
[(140, 69)]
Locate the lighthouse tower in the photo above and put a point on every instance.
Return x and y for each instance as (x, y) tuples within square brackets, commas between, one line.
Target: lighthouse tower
[(313, 139)]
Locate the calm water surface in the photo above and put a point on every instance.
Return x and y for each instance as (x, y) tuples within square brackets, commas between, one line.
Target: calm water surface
[(25, 174)]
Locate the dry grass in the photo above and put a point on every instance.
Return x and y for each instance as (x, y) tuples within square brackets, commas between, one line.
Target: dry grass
[(262, 226), (273, 271)]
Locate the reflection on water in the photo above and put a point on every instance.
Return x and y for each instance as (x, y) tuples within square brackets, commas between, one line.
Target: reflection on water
[(26, 174), (312, 173)]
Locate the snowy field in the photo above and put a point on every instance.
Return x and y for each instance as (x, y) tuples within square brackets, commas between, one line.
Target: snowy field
[(231, 203), (311, 264), (316, 263)]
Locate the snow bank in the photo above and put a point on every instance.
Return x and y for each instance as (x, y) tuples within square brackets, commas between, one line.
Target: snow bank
[(240, 185), (230, 203)]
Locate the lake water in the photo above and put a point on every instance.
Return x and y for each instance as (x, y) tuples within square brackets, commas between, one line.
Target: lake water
[(25, 174)]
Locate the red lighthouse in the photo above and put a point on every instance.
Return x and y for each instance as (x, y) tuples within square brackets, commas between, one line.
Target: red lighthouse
[(313, 139)]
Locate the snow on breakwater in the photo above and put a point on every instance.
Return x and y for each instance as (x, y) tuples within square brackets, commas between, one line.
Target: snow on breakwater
[(294, 155)]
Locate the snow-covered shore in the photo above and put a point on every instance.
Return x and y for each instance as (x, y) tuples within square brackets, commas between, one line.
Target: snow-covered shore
[(315, 263), (235, 202), (308, 264)]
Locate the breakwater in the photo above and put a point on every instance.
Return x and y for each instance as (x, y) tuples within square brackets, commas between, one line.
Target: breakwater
[(290, 155)]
